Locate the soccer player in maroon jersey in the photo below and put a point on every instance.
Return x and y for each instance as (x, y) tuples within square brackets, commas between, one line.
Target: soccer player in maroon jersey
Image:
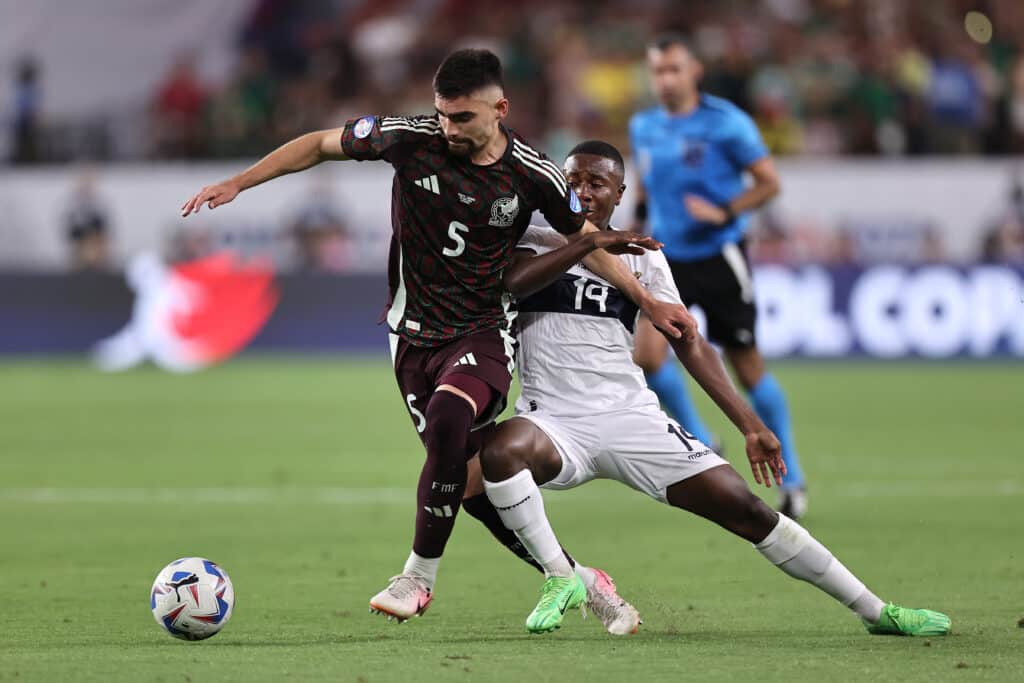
[(464, 190)]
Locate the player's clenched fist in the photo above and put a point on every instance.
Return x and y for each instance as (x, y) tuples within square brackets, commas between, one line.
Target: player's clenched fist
[(211, 195)]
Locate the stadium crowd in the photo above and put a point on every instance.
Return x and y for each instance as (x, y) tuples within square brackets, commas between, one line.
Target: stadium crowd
[(821, 77)]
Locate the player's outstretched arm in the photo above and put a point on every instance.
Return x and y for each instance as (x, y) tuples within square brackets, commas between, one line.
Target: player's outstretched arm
[(672, 319), (763, 449), (297, 155), (529, 273)]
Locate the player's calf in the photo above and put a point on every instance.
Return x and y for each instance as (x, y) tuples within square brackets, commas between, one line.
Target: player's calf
[(722, 496)]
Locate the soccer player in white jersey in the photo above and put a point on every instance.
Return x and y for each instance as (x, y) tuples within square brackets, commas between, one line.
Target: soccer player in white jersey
[(585, 412)]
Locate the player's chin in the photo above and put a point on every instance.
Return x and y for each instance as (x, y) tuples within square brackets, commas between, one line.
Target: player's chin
[(460, 149)]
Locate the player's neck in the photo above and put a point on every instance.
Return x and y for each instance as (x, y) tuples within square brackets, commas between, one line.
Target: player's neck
[(686, 105), (492, 151)]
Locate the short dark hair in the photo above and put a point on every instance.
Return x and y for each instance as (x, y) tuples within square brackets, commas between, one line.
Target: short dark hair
[(600, 148), (463, 72), (664, 41)]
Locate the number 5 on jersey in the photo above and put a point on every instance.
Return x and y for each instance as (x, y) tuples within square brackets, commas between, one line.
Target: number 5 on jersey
[(454, 228)]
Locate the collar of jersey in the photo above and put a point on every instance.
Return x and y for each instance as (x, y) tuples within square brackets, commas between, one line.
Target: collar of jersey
[(506, 156)]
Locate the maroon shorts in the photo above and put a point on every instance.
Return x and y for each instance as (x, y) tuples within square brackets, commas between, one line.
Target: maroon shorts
[(488, 355)]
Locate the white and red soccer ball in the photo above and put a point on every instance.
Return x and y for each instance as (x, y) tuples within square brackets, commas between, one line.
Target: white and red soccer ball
[(192, 598)]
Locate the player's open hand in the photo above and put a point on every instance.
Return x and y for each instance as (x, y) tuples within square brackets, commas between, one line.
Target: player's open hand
[(620, 242), (765, 455), (703, 210), (211, 195), (672, 319)]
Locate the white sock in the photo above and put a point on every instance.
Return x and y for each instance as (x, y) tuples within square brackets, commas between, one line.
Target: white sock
[(423, 567), (587, 574), (521, 508), (793, 550)]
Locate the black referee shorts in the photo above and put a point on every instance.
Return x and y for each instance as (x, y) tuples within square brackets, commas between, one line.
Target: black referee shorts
[(722, 286)]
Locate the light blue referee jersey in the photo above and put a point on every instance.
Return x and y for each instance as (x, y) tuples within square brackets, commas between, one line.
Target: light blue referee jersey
[(704, 153)]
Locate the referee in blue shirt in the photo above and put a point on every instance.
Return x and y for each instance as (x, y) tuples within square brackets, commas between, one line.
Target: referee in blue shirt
[(691, 154)]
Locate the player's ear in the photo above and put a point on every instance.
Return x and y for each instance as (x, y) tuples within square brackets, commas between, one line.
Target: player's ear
[(618, 195), (501, 107)]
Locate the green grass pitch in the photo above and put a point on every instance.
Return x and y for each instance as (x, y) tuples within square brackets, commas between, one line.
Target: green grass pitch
[(297, 475)]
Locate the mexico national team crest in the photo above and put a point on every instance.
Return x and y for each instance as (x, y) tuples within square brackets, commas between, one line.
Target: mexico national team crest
[(504, 211)]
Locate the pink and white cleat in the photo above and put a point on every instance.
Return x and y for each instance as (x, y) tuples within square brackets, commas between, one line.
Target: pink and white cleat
[(405, 597), (618, 616)]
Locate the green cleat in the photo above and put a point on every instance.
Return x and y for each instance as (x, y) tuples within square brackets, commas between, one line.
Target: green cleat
[(903, 621), (558, 595)]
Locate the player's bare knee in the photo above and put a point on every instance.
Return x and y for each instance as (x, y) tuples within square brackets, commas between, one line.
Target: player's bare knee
[(504, 455)]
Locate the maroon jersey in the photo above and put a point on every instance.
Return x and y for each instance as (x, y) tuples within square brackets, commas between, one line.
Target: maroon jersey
[(455, 224)]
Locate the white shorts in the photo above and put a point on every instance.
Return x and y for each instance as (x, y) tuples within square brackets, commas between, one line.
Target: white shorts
[(643, 448)]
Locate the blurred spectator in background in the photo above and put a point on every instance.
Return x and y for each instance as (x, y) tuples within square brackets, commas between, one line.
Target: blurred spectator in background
[(821, 77), (240, 115), (88, 229), (956, 101), (25, 121), (178, 112), (1015, 106), (933, 248), (1003, 242), (321, 235), (190, 242)]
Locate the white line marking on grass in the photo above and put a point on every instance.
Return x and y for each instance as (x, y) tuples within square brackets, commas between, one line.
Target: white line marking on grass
[(229, 496), (243, 495)]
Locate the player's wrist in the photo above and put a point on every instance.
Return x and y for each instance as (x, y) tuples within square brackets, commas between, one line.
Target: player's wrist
[(646, 301), (753, 429), (728, 214), (240, 182)]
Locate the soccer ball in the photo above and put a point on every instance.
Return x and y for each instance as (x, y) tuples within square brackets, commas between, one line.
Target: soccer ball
[(192, 598)]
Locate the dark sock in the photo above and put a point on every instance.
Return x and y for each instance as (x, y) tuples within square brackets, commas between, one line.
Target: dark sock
[(443, 478), (479, 507)]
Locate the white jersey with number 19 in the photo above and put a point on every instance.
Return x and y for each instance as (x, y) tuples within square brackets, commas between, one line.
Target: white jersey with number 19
[(576, 337)]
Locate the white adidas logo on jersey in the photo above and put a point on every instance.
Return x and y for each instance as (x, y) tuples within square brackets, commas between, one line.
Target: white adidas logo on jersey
[(468, 359), (429, 183)]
